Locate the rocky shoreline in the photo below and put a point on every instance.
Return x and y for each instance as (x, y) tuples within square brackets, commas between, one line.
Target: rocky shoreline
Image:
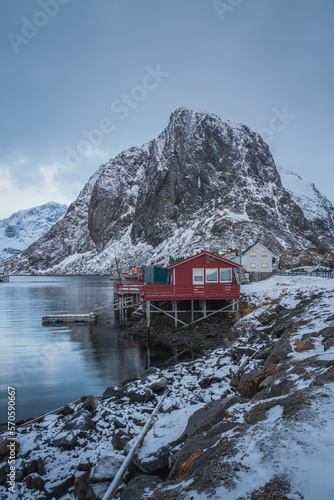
[(200, 339), (248, 420)]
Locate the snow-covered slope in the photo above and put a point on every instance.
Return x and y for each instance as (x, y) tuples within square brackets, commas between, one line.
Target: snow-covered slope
[(316, 207), (203, 183), (251, 420), (21, 229)]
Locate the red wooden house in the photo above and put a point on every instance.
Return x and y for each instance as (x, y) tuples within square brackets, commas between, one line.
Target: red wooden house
[(202, 277)]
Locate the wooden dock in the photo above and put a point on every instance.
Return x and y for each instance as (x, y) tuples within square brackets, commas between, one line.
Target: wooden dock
[(70, 318), (4, 278)]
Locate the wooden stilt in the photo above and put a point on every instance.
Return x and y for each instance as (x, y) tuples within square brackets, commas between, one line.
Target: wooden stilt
[(148, 357), (148, 313), (155, 308), (175, 312), (204, 309), (192, 310)]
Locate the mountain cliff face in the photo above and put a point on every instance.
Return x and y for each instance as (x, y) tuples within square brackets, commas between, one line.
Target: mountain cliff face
[(202, 184), (318, 210), (22, 228)]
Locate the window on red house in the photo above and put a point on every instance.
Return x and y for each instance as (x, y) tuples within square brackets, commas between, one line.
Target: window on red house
[(198, 276), (225, 275), (211, 275)]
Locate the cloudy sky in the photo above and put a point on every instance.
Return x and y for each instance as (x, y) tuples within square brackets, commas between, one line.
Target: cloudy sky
[(84, 79)]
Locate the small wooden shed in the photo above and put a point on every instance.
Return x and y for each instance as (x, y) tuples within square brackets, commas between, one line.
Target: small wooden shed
[(204, 276)]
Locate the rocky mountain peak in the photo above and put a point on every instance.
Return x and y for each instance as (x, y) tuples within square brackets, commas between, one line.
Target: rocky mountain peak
[(22, 228), (203, 183)]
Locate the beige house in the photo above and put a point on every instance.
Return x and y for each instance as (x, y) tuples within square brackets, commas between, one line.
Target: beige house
[(257, 259)]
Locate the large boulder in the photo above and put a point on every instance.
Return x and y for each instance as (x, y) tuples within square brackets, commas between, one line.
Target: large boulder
[(114, 392), (80, 421), (189, 455), (139, 486), (149, 464), (159, 384), (280, 352), (58, 489), (212, 413), (119, 439), (35, 482), (91, 403), (83, 489), (328, 343), (303, 345), (65, 439), (6, 444), (106, 468), (250, 382), (139, 394), (4, 470)]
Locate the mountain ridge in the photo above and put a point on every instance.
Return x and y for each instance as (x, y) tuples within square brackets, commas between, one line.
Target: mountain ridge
[(23, 228), (203, 183)]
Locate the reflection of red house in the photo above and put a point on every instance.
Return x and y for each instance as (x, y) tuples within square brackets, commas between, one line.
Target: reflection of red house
[(203, 277)]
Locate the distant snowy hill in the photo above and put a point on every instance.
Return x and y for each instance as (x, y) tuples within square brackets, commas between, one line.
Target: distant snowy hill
[(203, 184), (23, 228), (316, 207)]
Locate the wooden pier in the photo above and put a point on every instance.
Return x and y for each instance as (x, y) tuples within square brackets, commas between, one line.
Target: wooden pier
[(126, 298), (70, 318)]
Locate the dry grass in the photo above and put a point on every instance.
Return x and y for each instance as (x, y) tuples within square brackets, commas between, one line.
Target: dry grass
[(189, 463)]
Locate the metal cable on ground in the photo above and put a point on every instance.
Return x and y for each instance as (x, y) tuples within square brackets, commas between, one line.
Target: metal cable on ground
[(109, 495)]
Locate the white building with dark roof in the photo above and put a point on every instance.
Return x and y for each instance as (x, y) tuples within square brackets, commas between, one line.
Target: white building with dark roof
[(257, 259)]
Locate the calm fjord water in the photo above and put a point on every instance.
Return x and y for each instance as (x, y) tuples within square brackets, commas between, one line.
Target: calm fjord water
[(50, 366)]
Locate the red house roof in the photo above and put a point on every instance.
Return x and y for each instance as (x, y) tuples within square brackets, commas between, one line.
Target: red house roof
[(204, 252)]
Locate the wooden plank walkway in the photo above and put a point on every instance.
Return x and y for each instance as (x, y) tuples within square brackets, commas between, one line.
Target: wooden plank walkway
[(121, 303), (70, 318)]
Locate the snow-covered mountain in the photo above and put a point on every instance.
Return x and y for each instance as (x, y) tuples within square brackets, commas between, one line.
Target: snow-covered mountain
[(21, 229), (203, 183), (316, 207)]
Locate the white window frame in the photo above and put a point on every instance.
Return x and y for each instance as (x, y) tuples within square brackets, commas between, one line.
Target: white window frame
[(264, 254), (197, 282), (252, 265), (252, 253), (220, 274), (264, 265), (206, 274)]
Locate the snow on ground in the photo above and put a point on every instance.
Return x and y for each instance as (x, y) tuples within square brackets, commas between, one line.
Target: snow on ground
[(300, 448)]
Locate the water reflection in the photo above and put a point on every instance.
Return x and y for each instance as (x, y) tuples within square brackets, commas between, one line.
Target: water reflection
[(53, 365)]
